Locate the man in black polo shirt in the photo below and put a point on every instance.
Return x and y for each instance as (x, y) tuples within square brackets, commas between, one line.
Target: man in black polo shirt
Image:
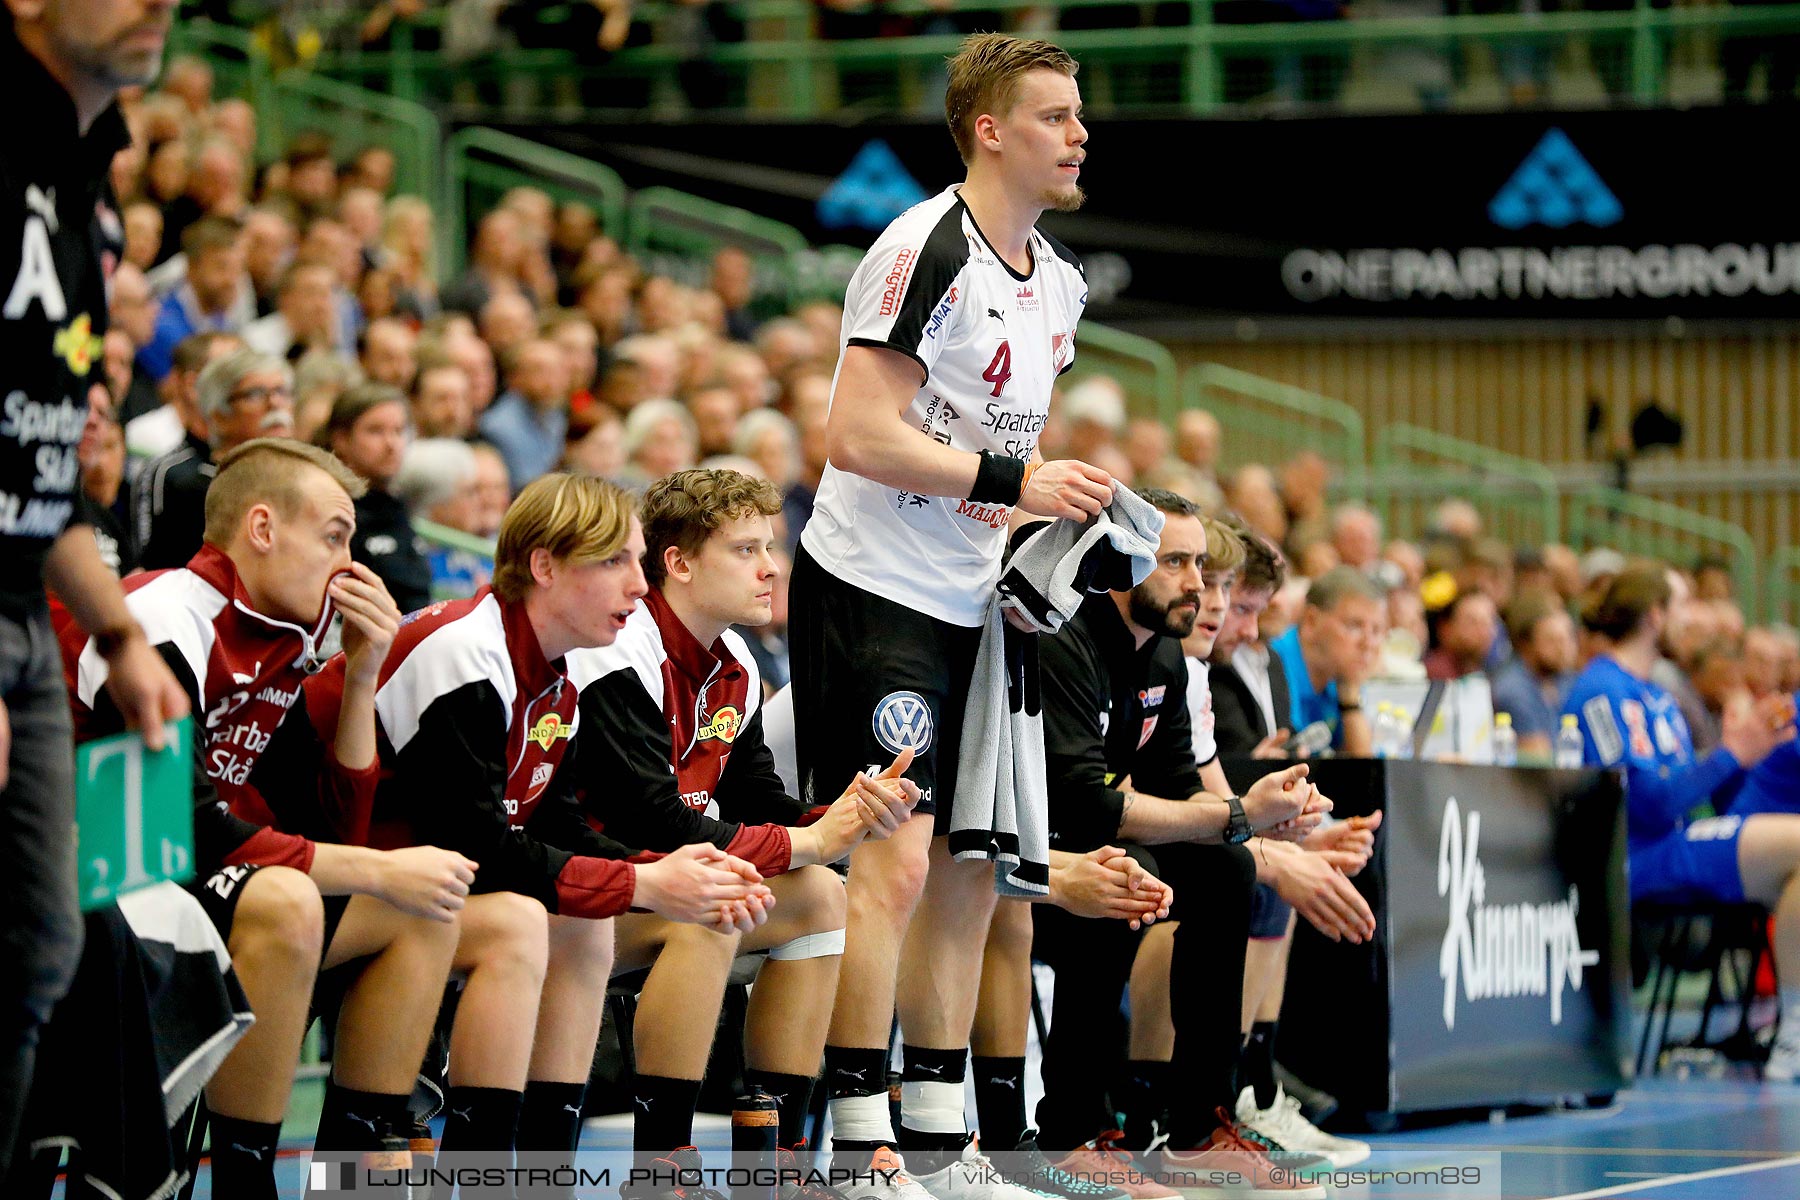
[(1120, 762), (61, 66)]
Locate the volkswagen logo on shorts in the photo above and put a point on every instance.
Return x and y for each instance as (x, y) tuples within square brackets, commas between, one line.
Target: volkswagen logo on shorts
[(903, 722)]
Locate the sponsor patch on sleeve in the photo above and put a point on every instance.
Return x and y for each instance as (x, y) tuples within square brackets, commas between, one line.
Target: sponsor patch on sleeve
[(1604, 729)]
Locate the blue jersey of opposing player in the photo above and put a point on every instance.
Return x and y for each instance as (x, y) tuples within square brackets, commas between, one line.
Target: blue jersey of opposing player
[(1633, 723), (1774, 786)]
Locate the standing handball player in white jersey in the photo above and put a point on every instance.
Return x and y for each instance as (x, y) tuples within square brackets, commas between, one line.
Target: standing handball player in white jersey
[(956, 325)]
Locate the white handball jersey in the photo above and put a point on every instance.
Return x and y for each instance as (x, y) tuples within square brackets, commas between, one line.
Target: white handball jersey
[(1200, 710), (989, 344)]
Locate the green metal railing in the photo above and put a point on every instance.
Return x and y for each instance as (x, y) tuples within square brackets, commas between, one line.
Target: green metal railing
[(480, 165), (1649, 52), (1412, 469), (1268, 421), (1655, 528), (293, 101), (1145, 368), (1783, 599)]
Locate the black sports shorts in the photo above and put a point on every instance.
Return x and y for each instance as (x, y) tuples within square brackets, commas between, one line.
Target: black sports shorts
[(220, 892), (871, 678)]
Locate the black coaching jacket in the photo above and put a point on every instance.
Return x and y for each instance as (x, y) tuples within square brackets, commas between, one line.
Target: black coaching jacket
[(1111, 710)]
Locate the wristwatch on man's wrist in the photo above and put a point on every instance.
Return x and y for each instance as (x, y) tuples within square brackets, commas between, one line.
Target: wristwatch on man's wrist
[(1237, 825)]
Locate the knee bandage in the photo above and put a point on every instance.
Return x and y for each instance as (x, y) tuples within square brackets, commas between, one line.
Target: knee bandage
[(810, 945)]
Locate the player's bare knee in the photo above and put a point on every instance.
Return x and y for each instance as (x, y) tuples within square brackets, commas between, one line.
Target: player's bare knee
[(516, 938), (1010, 930), (581, 949), (279, 916), (817, 896), (891, 885)]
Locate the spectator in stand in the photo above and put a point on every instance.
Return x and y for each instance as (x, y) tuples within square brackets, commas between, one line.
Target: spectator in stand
[(1789, 676), (492, 491), (659, 440), (1197, 437), (1462, 633), (1712, 579), (1718, 679), (1146, 446), (101, 455), (163, 429), (320, 377), (575, 335), (601, 449), (576, 228), (241, 395), (406, 249), (1094, 411), (1406, 557), (437, 484), (373, 168), (495, 264), (1356, 536), (1455, 518), (216, 187), (368, 432), (189, 80), (809, 403), (389, 353), (1304, 478), (530, 422), (604, 294), (744, 372), (143, 234), (212, 300), (1253, 495), (441, 407), (133, 314), (732, 280), (312, 177), (269, 240), (506, 321), (715, 414), (305, 316), (476, 359), (786, 345), (1330, 652), (768, 439), (328, 242), (1531, 685), (1764, 652), (360, 211)]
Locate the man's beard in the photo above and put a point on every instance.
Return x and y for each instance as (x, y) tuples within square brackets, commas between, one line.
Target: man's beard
[(1065, 201), (1146, 613)]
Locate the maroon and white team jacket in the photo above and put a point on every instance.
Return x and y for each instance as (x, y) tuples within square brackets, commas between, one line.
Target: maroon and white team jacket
[(475, 732), (671, 744), (261, 771)]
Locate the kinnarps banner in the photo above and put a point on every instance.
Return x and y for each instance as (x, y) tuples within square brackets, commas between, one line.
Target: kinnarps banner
[(1508, 215)]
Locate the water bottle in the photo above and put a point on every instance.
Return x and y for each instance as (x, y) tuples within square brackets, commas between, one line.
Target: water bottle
[(1403, 732), (1568, 742), (1381, 730), (755, 1134), (1506, 742)]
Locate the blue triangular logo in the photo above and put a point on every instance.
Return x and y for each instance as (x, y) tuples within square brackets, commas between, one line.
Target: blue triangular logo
[(871, 192), (1555, 186)]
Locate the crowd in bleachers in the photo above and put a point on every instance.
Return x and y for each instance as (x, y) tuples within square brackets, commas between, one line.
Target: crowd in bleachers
[(302, 299)]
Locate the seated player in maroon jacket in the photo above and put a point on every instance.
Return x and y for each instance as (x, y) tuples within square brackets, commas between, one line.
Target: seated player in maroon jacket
[(671, 752), (477, 721), (239, 626)]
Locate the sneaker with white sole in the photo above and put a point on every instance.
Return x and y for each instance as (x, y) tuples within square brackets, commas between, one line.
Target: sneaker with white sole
[(975, 1177), (1784, 1062), (1284, 1123), (890, 1180), (1228, 1166)]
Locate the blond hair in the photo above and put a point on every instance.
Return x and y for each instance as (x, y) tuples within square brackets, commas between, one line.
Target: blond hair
[(1224, 548), (268, 471), (577, 518), (685, 508), (984, 78)]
